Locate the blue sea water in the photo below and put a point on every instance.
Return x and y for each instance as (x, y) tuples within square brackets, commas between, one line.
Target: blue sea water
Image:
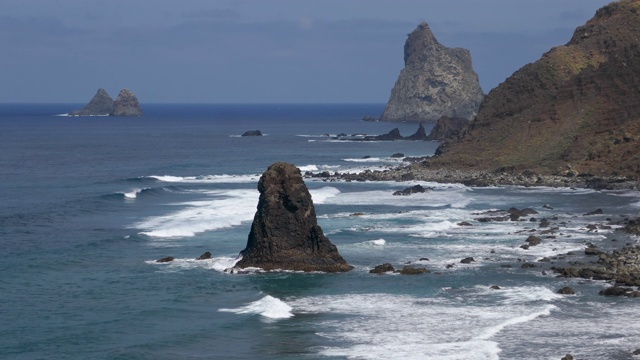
[(89, 204)]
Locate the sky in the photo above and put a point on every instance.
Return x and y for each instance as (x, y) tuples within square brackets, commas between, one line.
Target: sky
[(259, 51)]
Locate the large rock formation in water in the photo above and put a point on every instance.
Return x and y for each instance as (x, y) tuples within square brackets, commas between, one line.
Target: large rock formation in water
[(126, 104), (436, 81), (285, 234), (100, 104), (575, 111)]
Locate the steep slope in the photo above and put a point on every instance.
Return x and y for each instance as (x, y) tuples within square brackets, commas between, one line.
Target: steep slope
[(100, 104), (575, 111), (436, 81)]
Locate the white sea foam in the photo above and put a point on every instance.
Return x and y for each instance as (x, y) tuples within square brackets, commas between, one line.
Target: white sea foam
[(268, 306), (456, 199), (386, 326), (375, 243), (229, 179), (324, 194), (133, 193), (223, 209), (220, 263)]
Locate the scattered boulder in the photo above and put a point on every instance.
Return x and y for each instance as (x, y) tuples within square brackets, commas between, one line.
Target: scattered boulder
[(414, 270), (166, 259), (252, 133), (566, 291), (494, 287), (567, 357), (381, 269), (204, 256), (533, 240), (464, 223), (467, 260), (615, 291), (285, 234), (416, 189), (594, 212)]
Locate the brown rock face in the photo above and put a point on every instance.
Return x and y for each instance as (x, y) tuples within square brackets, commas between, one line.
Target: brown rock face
[(100, 104), (126, 104), (447, 128), (285, 234), (436, 81), (577, 107)]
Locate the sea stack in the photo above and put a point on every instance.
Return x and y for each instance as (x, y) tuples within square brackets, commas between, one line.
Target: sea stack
[(285, 234), (575, 111), (436, 81), (100, 105), (126, 104)]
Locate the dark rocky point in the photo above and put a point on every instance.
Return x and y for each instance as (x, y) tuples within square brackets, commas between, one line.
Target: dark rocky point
[(285, 234), (252, 133), (126, 104), (566, 291), (204, 256), (381, 269), (100, 104), (414, 270), (419, 135)]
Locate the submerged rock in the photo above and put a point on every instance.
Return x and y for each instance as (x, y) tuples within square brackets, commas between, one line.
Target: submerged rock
[(101, 104), (205, 256), (166, 259), (381, 269), (285, 234), (435, 81)]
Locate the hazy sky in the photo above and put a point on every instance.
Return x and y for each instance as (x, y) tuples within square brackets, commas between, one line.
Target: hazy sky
[(257, 51)]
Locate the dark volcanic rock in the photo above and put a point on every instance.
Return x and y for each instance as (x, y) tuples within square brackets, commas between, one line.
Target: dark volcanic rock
[(435, 81), (391, 135), (566, 291), (397, 156), (419, 135), (533, 240), (595, 212), (285, 234), (416, 189), (252, 133), (204, 256), (126, 104), (100, 104), (166, 259), (447, 128), (414, 270), (467, 260), (381, 269)]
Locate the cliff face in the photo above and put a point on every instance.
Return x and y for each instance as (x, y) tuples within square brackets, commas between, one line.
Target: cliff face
[(577, 108), (100, 104), (126, 104), (436, 81), (285, 234)]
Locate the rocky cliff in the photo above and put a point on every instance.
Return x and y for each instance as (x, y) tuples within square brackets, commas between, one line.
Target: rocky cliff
[(447, 128), (126, 104), (100, 104), (285, 234), (575, 111), (435, 81)]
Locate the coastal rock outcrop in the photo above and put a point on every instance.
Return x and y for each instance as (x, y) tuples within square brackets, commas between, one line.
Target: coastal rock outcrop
[(100, 105), (435, 81), (447, 128), (126, 104), (252, 133), (574, 112), (285, 234)]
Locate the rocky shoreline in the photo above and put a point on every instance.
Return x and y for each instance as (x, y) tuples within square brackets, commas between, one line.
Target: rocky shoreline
[(420, 169)]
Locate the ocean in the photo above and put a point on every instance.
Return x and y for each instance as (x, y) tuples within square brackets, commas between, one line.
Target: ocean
[(89, 204)]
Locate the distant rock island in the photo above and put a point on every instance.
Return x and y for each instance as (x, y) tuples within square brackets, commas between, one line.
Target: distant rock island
[(103, 105), (436, 81), (574, 112), (285, 234)]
